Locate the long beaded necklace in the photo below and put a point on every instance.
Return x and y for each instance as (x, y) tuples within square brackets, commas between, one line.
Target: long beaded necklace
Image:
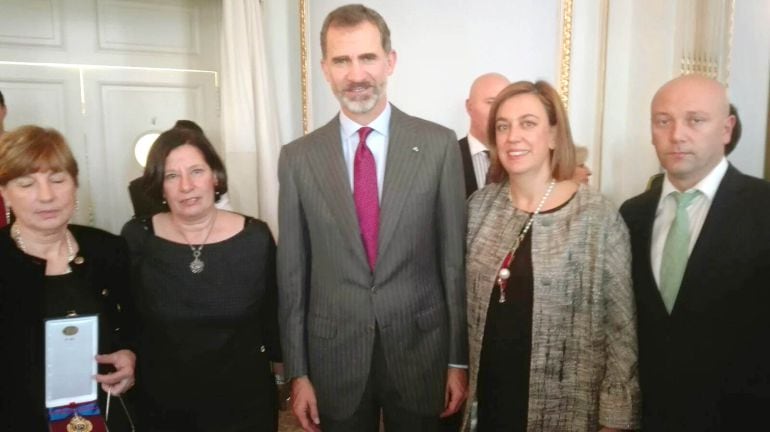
[(16, 234), (197, 265), (504, 274)]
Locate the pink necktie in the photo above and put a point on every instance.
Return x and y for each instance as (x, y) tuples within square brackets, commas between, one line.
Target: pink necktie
[(366, 197)]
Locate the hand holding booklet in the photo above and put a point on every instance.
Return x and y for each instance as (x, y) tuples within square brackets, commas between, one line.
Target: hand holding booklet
[(71, 345)]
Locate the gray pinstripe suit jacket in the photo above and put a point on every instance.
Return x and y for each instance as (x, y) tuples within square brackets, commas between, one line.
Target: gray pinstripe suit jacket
[(329, 299)]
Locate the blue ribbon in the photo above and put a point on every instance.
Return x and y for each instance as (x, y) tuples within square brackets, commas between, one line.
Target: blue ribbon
[(84, 410)]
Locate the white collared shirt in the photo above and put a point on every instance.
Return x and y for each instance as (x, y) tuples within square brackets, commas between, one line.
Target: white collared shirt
[(697, 212), (480, 159), (377, 141)]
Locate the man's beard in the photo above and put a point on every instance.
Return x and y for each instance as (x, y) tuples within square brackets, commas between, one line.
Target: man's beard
[(360, 106)]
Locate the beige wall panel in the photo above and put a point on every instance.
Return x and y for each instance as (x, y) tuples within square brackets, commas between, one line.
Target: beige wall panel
[(30, 22), (148, 27)]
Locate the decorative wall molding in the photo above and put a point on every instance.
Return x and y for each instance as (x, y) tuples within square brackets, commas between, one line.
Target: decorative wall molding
[(604, 13), (31, 23), (557, 56), (304, 65), (565, 51), (49, 94), (129, 25), (706, 34), (127, 107)]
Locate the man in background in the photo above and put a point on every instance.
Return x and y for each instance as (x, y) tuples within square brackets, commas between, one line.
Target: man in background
[(735, 136), (473, 148), (4, 213)]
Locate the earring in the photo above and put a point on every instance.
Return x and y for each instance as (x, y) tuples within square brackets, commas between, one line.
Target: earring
[(8, 214), (74, 210)]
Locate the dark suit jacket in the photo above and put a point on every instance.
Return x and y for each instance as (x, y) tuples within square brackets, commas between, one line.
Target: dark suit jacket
[(470, 175), (103, 272), (329, 300), (144, 204), (705, 367)]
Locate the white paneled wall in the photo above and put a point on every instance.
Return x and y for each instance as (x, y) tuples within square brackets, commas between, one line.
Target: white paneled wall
[(151, 33), (441, 50), (105, 71), (622, 52), (750, 83)]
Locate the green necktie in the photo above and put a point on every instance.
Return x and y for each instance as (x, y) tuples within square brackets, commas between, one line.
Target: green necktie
[(676, 250)]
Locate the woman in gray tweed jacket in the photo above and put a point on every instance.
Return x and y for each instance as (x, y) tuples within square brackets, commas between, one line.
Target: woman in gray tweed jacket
[(551, 314)]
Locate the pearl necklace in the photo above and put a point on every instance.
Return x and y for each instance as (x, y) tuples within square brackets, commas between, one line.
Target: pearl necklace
[(16, 234), (505, 273)]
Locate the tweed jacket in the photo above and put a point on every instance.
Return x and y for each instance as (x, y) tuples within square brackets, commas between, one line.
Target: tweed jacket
[(583, 370)]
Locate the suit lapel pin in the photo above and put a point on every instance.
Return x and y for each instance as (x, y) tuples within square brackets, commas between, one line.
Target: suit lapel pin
[(415, 149)]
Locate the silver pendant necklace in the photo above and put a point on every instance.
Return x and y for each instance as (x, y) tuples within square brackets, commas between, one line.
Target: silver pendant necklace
[(197, 265)]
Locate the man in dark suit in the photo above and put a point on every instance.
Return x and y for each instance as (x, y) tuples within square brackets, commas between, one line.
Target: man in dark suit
[(370, 254), (735, 136), (3, 112), (701, 269), (473, 147)]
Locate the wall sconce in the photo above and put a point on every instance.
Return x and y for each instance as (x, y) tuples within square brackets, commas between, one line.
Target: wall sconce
[(142, 146)]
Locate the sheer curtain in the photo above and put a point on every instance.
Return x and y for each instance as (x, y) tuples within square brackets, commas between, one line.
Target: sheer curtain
[(250, 130)]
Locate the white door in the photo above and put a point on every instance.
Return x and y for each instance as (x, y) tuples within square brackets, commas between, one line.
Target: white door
[(102, 112), (121, 106), (49, 97)]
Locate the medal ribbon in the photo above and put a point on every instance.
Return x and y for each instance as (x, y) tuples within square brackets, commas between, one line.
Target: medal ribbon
[(84, 410)]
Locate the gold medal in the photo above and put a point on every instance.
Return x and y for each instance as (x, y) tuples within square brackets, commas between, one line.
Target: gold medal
[(79, 424)]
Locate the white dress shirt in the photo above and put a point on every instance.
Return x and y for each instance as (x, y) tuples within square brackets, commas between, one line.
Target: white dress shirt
[(480, 159), (697, 212), (377, 141)]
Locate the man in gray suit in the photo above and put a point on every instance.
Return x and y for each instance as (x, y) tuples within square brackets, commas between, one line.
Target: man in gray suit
[(370, 258)]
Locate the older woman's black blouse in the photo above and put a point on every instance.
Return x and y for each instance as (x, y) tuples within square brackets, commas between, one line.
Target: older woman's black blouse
[(206, 339), (98, 284)]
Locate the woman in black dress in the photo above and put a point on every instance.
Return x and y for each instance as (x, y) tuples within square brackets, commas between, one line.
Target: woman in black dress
[(51, 269), (206, 295)]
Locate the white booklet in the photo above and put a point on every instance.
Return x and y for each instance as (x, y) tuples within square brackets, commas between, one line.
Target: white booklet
[(70, 347)]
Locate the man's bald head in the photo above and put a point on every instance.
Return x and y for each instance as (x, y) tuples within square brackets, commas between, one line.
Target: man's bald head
[(482, 94), (691, 124), (696, 89)]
